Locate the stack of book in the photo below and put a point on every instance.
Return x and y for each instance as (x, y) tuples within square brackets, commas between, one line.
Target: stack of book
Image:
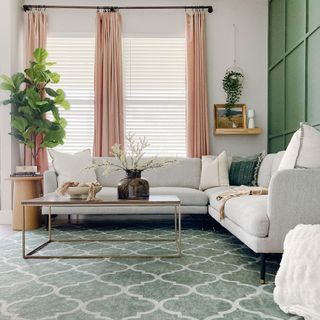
[(26, 171), (25, 174)]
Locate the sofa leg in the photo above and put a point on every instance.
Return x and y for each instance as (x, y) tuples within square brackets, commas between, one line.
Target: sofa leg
[(208, 223), (216, 226), (46, 221), (263, 268), (204, 222)]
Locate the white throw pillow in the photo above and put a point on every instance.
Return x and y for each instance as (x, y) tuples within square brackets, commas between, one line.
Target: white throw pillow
[(71, 167), (290, 156), (309, 153), (303, 150), (214, 171)]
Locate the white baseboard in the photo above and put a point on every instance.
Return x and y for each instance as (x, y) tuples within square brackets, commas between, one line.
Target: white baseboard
[(5, 217)]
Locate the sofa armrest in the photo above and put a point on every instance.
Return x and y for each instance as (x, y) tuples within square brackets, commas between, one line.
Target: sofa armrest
[(50, 183), (293, 199)]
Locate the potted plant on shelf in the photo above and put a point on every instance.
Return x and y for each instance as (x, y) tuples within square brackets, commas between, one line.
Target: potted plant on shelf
[(232, 85), (133, 163), (32, 99)]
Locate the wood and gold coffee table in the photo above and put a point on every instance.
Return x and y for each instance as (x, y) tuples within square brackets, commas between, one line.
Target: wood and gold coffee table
[(57, 201)]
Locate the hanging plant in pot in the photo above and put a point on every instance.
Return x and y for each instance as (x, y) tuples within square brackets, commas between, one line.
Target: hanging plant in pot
[(133, 163), (232, 85), (32, 98)]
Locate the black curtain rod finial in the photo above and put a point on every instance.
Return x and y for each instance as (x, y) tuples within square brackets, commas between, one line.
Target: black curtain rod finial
[(210, 9)]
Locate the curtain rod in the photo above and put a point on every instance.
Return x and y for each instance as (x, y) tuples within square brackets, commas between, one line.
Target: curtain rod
[(112, 8)]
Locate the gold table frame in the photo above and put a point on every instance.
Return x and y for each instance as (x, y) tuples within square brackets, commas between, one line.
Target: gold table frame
[(57, 201)]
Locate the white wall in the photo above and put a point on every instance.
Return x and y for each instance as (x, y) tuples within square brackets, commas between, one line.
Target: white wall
[(11, 24), (250, 17)]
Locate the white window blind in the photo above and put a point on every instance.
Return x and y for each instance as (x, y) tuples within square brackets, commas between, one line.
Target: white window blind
[(155, 94), (74, 57)]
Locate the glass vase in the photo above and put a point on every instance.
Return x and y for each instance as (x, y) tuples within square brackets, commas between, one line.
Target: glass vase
[(133, 187)]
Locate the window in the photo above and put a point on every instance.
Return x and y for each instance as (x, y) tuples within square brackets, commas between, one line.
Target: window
[(74, 57), (154, 90), (155, 94)]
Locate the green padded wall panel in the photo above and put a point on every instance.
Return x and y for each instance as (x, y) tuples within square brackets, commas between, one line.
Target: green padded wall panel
[(295, 98), (296, 26), (276, 30), (313, 112), (276, 94), (276, 144), (294, 68), (314, 14)]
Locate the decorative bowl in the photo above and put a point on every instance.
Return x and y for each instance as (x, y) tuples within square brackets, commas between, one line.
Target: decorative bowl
[(81, 192)]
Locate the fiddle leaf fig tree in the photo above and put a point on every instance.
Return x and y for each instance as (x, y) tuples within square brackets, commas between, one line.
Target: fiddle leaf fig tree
[(32, 100)]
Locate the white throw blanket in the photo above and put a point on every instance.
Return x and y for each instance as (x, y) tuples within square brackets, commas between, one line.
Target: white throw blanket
[(297, 282)]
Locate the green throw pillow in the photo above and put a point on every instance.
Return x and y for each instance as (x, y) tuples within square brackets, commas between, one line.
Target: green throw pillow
[(244, 170)]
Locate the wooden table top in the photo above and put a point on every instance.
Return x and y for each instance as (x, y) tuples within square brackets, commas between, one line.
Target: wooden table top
[(56, 201)]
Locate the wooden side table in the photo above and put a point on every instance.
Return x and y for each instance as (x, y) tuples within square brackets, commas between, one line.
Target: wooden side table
[(25, 188)]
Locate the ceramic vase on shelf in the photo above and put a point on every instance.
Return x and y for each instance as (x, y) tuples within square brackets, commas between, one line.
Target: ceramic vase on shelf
[(251, 123), (133, 186)]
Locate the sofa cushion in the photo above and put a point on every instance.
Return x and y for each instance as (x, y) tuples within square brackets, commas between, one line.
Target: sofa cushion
[(214, 171), (290, 156), (265, 171), (269, 166), (309, 152), (185, 173), (188, 196), (72, 167), (212, 193), (303, 150), (244, 170), (276, 161), (248, 212)]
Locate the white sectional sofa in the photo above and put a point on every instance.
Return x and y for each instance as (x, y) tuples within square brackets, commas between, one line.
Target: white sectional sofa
[(261, 222)]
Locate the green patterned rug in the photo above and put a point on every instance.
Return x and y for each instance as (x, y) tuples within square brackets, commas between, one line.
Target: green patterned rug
[(217, 278)]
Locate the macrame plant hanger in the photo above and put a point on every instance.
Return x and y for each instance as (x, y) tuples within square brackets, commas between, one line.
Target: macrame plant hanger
[(235, 67)]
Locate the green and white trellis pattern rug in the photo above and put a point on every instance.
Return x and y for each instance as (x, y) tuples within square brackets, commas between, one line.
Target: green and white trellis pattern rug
[(217, 278)]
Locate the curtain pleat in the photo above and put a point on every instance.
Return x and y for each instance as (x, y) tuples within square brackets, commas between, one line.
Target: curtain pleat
[(36, 29), (197, 101), (108, 84)]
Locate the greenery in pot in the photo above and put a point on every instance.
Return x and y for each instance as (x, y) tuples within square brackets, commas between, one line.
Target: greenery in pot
[(132, 159), (232, 85), (132, 162), (32, 98)]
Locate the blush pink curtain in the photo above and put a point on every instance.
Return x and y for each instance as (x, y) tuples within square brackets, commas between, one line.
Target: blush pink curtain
[(36, 26), (197, 101), (108, 86)]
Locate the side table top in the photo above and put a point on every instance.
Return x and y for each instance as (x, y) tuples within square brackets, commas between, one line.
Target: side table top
[(56, 200), (25, 178)]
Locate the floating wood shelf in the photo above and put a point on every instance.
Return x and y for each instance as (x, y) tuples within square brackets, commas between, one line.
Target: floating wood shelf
[(240, 131)]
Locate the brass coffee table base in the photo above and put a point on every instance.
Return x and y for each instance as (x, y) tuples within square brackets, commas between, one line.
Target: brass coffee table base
[(38, 202)]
